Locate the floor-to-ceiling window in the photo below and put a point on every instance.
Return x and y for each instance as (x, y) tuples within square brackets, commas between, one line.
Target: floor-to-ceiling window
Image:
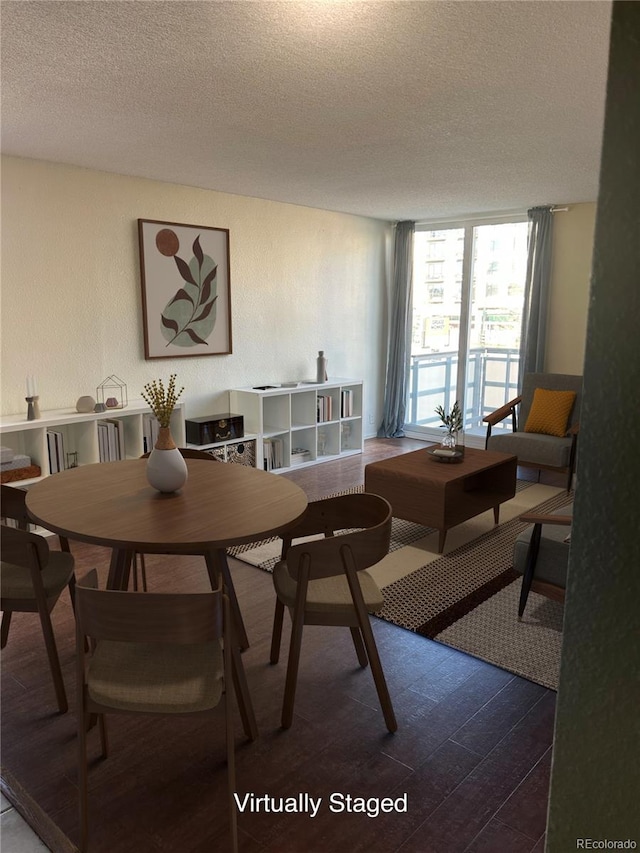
[(468, 289)]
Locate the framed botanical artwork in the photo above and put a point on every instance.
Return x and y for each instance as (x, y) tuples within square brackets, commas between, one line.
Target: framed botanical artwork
[(186, 289)]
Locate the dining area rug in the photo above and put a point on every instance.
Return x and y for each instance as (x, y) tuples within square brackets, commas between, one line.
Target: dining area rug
[(466, 597)]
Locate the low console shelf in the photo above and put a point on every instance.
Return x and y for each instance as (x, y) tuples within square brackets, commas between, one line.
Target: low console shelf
[(80, 434), (302, 424)]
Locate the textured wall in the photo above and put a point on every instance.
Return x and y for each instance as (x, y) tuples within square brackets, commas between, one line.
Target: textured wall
[(301, 280), (595, 786)]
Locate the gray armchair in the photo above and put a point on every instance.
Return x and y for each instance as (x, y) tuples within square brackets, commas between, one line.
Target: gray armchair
[(541, 555), (536, 449)]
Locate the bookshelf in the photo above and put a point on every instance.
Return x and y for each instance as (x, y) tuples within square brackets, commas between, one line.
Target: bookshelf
[(302, 425), (80, 435)]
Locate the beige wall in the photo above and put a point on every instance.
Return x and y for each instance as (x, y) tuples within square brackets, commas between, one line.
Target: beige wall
[(569, 297), (301, 280)]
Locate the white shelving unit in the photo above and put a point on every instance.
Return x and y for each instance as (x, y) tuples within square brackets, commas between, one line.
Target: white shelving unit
[(290, 416), (80, 433)]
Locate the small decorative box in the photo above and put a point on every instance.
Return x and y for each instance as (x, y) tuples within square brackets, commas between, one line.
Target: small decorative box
[(18, 460), (213, 428), (6, 454)]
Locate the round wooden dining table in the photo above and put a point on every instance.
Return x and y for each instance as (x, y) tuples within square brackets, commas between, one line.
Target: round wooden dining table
[(112, 504)]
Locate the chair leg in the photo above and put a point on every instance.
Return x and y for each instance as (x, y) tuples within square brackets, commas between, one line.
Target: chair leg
[(54, 661), (228, 652), (378, 675), (356, 636), (4, 630), (72, 593), (243, 697), (372, 649), (530, 567), (276, 636), (217, 565), (143, 573), (82, 775), (293, 664)]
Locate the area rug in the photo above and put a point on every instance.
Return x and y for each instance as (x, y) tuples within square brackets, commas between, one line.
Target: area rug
[(467, 597)]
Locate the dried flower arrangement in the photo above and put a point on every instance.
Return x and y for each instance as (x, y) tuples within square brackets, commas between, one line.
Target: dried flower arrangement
[(162, 402)]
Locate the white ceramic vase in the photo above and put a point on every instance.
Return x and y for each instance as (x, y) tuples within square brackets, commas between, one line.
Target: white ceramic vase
[(166, 468)]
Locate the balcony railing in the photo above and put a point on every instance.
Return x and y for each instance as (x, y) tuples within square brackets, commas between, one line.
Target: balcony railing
[(492, 380)]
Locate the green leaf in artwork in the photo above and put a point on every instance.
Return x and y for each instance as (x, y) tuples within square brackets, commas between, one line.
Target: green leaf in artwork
[(189, 317)]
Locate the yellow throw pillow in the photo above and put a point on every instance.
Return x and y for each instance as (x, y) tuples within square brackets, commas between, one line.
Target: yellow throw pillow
[(550, 412)]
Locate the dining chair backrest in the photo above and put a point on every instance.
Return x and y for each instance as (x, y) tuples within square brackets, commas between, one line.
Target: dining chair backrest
[(21, 548), (356, 525), (178, 618), (13, 505)]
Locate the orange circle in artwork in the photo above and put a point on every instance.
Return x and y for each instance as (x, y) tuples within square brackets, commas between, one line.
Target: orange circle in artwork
[(167, 242)]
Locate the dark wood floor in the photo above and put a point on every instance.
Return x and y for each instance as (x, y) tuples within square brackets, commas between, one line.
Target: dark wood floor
[(472, 752)]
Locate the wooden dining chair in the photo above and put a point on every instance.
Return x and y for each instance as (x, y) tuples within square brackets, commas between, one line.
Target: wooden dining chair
[(32, 578), (138, 558), (160, 653), (323, 582)]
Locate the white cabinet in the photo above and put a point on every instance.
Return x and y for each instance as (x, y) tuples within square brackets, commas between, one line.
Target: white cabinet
[(302, 424), (80, 434)]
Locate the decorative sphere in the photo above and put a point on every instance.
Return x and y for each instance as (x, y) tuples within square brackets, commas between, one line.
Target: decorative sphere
[(85, 404)]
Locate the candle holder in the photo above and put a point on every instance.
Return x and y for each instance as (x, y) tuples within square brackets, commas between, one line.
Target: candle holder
[(33, 408)]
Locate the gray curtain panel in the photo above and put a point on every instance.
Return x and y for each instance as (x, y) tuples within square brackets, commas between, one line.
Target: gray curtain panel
[(395, 395), (536, 293)]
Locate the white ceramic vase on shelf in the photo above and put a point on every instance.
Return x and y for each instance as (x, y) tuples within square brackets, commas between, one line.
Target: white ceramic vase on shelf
[(166, 468)]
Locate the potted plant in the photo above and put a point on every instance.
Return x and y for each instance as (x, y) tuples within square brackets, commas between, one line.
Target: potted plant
[(452, 422)]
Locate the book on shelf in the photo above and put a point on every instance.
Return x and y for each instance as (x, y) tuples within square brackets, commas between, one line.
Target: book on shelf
[(103, 442), (55, 449), (150, 432), (110, 440), (346, 403), (325, 408), (273, 453), (300, 455), (119, 434)]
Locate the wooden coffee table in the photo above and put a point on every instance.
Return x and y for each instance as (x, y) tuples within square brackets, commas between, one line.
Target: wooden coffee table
[(442, 494)]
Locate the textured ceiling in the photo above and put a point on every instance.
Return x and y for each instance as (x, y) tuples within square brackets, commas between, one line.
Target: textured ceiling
[(396, 110)]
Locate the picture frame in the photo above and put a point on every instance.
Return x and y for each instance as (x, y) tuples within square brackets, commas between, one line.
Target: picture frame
[(186, 289)]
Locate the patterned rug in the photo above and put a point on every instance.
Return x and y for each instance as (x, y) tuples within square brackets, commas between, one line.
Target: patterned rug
[(466, 597)]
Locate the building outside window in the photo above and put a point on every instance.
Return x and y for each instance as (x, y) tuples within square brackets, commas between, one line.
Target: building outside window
[(466, 327)]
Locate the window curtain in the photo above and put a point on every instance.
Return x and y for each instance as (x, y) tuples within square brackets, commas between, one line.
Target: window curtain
[(395, 395), (536, 292)]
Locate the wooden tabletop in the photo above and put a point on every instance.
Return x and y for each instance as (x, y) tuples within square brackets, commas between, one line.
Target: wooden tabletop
[(112, 504), (419, 465)]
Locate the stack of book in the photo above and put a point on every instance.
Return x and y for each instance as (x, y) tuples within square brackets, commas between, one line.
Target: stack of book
[(111, 440), (273, 452), (150, 431), (346, 403), (300, 455), (55, 447), (325, 408)]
